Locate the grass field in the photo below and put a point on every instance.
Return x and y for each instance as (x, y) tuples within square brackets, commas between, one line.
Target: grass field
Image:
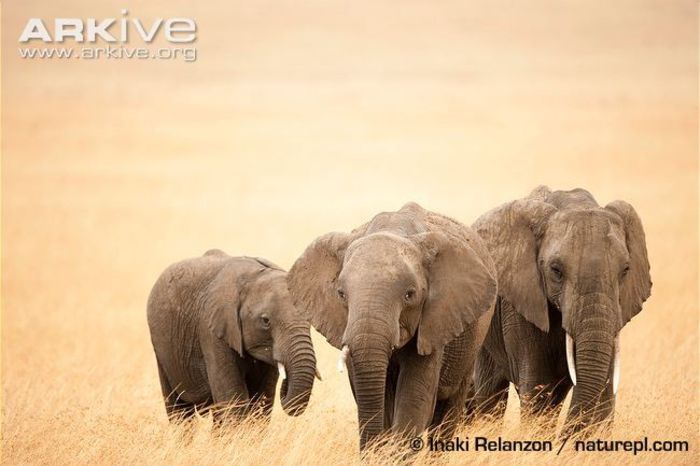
[(300, 118)]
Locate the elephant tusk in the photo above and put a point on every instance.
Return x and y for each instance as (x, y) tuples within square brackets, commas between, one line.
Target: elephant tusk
[(570, 361), (343, 357), (318, 374), (280, 368), (616, 365)]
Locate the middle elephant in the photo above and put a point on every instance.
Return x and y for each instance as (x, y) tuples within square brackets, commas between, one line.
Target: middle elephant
[(408, 298)]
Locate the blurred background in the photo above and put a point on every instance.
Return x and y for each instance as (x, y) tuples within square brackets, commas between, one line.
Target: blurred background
[(299, 118)]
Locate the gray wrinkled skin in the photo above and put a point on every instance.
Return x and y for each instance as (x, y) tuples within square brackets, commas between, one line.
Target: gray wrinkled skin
[(410, 294), (565, 265), (219, 326)]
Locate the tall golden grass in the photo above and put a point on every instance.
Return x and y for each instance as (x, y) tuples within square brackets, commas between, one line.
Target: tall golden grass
[(305, 117)]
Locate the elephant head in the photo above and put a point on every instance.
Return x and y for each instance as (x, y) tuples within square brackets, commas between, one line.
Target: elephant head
[(561, 251), (260, 321), (397, 280)]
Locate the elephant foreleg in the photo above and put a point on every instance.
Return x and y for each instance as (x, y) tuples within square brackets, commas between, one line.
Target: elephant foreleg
[(262, 390), (416, 391), (392, 376), (542, 403), (229, 392), (490, 391), (450, 412)]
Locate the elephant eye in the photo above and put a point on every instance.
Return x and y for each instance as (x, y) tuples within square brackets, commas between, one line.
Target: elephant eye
[(265, 321), (408, 296), (557, 273), (341, 294), (625, 270)]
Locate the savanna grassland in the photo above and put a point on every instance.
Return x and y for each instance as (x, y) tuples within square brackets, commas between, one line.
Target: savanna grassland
[(300, 118)]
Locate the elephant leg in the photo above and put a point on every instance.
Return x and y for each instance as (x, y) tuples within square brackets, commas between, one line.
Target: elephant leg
[(541, 403), (225, 375), (556, 400), (179, 410), (534, 398), (542, 374), (176, 408), (392, 377), (450, 412), (441, 408), (261, 387), (490, 392), (416, 391)]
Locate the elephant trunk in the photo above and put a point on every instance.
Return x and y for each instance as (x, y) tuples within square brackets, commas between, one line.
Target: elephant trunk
[(369, 337), (369, 368), (590, 358), (299, 363)]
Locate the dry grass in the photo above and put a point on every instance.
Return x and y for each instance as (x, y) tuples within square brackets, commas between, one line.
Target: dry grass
[(302, 118)]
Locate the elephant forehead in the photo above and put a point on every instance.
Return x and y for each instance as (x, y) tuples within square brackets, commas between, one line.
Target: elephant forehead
[(581, 225), (585, 233), (403, 222), (269, 287), (379, 252)]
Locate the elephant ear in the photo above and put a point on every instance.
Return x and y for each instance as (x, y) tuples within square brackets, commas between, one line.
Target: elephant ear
[(512, 233), (312, 282), (636, 286), (460, 290), (222, 304)]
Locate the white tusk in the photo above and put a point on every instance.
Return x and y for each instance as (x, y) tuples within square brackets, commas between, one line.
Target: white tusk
[(616, 365), (280, 368), (570, 360), (318, 375), (341, 360)]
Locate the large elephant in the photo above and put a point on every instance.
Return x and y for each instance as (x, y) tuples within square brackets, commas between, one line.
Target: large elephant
[(223, 329), (571, 275), (408, 297)]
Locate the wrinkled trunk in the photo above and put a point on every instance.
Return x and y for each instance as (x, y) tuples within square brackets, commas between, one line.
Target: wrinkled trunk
[(300, 364), (593, 354), (369, 367), (369, 336)]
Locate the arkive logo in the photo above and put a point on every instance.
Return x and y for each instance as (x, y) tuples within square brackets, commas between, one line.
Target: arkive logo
[(109, 39), (110, 30)]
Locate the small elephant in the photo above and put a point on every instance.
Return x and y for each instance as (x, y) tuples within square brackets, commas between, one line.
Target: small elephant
[(408, 298), (571, 274), (223, 329)]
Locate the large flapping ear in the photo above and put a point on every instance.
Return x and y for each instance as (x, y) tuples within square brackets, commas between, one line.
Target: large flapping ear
[(512, 233), (312, 282), (460, 289), (222, 302), (636, 286)]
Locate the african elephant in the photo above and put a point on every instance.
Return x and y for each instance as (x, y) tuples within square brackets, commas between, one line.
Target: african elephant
[(223, 328), (408, 297), (571, 274)]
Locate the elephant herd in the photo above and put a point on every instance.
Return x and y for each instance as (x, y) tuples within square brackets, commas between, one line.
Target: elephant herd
[(433, 319)]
